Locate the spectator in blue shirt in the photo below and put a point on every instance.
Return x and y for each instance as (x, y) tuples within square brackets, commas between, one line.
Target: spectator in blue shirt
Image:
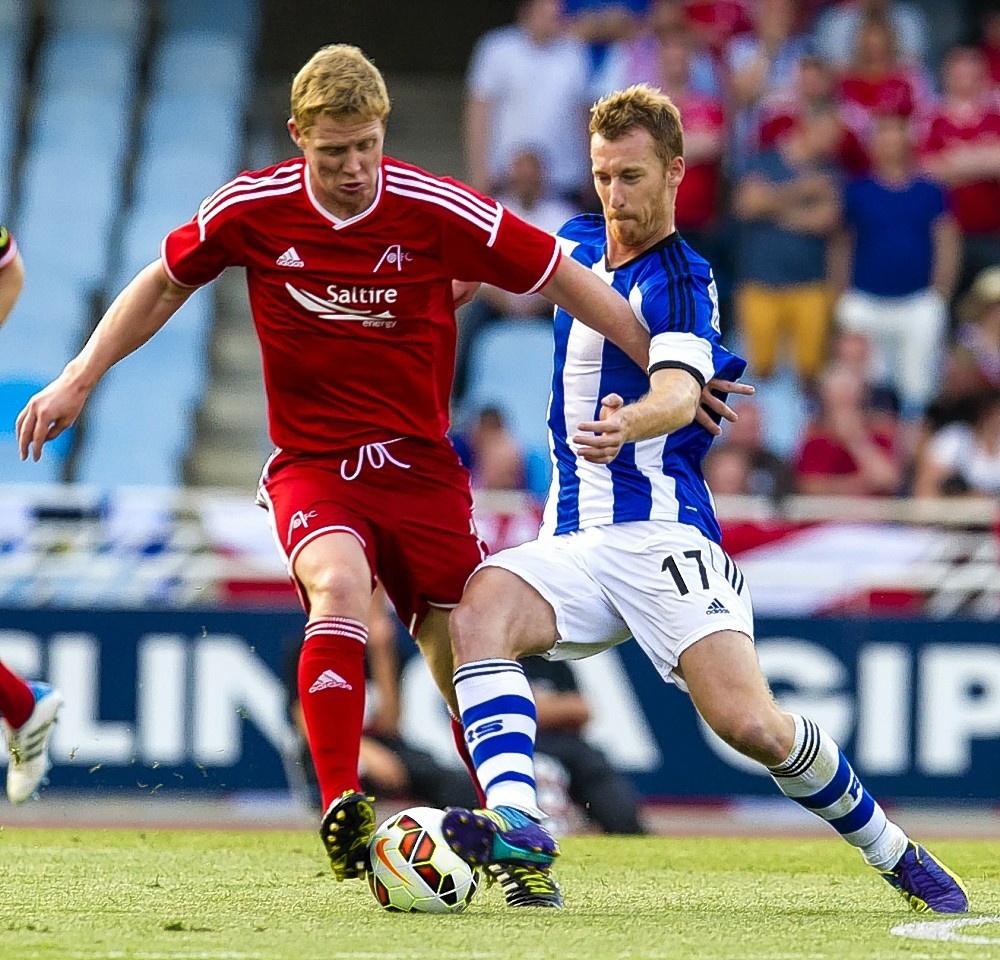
[(900, 256), (789, 206)]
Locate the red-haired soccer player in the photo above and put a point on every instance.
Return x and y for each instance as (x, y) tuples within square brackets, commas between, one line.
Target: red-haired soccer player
[(350, 258)]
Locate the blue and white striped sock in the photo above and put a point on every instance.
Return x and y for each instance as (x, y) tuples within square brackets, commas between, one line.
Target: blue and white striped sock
[(818, 776), (498, 713)]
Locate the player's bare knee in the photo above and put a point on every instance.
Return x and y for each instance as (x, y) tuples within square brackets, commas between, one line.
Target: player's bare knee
[(338, 591), (475, 635), (755, 736)]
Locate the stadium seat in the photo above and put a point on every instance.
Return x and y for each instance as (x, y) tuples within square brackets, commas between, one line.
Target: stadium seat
[(103, 64), (74, 248), (209, 64), (73, 120), (46, 327), (238, 18), (10, 101), (140, 421), (15, 22), (122, 17), (181, 119)]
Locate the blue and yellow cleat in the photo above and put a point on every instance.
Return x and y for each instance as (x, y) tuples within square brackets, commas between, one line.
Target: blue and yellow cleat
[(926, 884), (503, 835)]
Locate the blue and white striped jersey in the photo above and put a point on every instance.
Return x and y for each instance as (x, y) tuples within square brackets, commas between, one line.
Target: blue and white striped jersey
[(672, 292)]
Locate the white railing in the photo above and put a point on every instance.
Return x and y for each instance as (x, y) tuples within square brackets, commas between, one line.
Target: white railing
[(139, 547)]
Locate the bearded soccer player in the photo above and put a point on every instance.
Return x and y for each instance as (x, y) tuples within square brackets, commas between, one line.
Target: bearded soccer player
[(28, 709), (630, 545), (350, 259)]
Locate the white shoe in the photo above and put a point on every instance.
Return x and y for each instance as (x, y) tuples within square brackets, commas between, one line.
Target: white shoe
[(28, 745)]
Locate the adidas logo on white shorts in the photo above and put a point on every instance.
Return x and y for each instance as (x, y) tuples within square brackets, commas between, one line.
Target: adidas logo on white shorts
[(716, 607), (290, 258), (328, 680)]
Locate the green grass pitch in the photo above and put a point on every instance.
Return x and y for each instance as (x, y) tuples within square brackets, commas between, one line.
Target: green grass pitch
[(200, 895)]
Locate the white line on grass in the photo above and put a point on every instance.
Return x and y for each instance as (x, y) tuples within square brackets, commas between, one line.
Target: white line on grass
[(946, 930)]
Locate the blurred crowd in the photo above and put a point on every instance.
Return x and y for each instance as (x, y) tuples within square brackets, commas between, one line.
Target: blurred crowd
[(843, 178)]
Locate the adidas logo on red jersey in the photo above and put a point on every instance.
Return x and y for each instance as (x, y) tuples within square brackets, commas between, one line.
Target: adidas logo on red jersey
[(290, 258)]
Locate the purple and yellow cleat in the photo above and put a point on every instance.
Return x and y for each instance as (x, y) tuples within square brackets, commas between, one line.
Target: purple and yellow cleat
[(926, 884), (515, 850)]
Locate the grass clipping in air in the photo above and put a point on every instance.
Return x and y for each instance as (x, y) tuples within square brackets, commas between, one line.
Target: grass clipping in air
[(200, 895)]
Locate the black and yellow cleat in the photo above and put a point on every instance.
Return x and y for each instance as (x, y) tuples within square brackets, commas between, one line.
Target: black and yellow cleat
[(346, 830), (526, 886)]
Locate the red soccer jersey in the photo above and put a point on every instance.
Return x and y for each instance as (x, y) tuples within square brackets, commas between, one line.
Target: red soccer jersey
[(975, 204), (355, 317)]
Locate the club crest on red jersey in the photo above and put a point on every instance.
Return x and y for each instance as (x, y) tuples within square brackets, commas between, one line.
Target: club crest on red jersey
[(394, 256)]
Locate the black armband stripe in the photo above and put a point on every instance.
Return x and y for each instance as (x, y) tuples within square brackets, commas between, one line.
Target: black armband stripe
[(679, 365)]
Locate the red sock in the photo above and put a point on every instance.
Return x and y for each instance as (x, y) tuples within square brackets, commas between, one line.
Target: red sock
[(458, 735), (16, 699), (332, 695)]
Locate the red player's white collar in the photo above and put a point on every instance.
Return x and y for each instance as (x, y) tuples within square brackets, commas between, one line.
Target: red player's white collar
[(339, 224)]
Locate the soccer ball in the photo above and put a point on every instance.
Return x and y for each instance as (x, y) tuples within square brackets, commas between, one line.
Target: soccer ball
[(413, 870)]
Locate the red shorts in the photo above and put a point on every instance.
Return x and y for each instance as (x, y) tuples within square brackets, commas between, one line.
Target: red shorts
[(407, 501)]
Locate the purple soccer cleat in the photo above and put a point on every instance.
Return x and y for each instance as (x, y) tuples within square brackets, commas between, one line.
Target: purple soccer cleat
[(515, 850), (926, 884), (503, 835)]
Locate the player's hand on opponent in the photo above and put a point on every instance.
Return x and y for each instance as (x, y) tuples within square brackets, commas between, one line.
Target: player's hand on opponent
[(48, 413), (710, 404), (600, 441)]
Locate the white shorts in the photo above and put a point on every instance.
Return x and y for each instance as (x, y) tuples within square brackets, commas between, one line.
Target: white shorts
[(664, 583)]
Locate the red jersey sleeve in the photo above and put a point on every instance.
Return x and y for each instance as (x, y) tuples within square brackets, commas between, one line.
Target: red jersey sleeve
[(513, 254), (196, 252)]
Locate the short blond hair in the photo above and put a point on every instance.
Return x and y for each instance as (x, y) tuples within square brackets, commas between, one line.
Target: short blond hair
[(339, 81), (643, 106)]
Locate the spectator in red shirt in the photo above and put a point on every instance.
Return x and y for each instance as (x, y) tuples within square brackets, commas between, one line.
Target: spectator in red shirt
[(878, 83), (704, 132), (962, 152), (813, 91), (843, 452), (718, 21)]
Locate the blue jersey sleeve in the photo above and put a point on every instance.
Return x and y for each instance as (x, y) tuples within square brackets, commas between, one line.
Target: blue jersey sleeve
[(679, 304)]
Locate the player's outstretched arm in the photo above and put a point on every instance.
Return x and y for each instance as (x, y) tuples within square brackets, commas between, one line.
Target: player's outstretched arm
[(141, 309), (672, 401), (588, 298)]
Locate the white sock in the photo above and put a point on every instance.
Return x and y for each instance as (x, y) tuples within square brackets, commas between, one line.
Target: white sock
[(498, 713), (816, 775)]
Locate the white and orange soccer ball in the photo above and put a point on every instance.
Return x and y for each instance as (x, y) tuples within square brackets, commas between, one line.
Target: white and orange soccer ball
[(413, 870)]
